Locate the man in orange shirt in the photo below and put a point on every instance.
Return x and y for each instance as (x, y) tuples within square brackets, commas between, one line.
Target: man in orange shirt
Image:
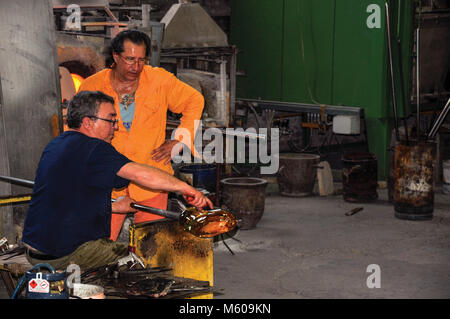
[(142, 96)]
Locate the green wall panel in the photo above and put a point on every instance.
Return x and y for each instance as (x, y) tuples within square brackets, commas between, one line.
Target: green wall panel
[(308, 51), (360, 57), (258, 32)]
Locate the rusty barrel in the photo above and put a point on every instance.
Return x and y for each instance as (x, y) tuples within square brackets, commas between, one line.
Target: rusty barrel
[(245, 198), (359, 177), (413, 180), (297, 173)]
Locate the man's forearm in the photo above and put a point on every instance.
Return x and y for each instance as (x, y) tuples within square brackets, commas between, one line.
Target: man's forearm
[(152, 178)]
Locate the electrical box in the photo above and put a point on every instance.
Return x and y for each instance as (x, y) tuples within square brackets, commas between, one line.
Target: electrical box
[(346, 124)]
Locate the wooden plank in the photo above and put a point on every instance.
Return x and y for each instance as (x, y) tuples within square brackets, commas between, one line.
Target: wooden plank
[(325, 179)]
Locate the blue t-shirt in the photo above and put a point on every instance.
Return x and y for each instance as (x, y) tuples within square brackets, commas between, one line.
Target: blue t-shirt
[(127, 114), (71, 200)]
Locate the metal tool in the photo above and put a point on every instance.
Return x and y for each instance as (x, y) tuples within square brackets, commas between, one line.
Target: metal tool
[(133, 258), (418, 80), (14, 199), (354, 211), (20, 181), (437, 124), (402, 86), (162, 212), (394, 100)]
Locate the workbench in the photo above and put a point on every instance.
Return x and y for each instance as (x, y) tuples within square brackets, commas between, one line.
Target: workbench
[(164, 243)]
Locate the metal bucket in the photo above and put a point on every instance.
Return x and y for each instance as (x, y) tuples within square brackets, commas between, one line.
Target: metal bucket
[(413, 180), (297, 173), (359, 177), (86, 291), (245, 198)]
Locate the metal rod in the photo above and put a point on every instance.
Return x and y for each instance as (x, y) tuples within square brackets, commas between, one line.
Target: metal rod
[(402, 86), (441, 118), (161, 212), (21, 181), (394, 100), (146, 15), (418, 82), (300, 107), (14, 199), (157, 211)]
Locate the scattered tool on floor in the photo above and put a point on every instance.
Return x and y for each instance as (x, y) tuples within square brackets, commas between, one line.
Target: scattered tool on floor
[(354, 211)]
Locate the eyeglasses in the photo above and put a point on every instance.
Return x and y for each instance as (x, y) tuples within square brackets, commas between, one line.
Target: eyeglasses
[(130, 60), (113, 122)]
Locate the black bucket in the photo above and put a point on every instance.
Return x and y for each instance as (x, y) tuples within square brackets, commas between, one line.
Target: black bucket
[(414, 180), (359, 177), (297, 173), (200, 176), (245, 198)]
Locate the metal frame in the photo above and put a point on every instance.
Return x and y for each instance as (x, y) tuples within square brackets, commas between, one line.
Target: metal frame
[(301, 107), (220, 55)]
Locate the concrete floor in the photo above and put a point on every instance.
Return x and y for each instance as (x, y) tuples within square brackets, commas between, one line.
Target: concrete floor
[(307, 248)]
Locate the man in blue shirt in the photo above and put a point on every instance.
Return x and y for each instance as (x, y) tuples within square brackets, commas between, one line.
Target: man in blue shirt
[(70, 211)]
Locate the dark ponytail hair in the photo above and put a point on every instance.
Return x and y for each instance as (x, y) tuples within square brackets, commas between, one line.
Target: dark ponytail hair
[(116, 45)]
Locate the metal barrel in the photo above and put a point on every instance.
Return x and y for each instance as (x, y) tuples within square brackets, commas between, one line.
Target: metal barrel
[(359, 177), (297, 174), (413, 196)]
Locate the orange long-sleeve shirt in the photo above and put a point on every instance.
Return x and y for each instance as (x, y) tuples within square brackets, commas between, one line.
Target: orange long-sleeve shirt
[(158, 91)]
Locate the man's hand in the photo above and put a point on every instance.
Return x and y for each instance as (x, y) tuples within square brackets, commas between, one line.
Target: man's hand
[(196, 198), (168, 149), (122, 205)]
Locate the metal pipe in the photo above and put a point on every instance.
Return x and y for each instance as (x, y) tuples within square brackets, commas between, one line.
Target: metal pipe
[(165, 213), (157, 211), (146, 15), (21, 181), (418, 82), (161, 212), (394, 100), (404, 99), (14, 199), (300, 107), (439, 121)]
